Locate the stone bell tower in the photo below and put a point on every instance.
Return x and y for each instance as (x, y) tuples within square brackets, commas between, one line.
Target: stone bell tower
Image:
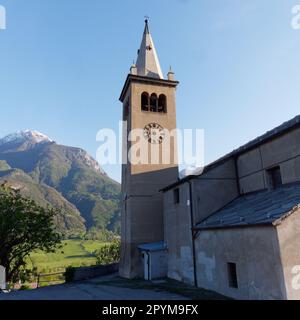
[(149, 105)]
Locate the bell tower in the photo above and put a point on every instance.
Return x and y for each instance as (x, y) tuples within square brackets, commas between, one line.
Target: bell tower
[(149, 107)]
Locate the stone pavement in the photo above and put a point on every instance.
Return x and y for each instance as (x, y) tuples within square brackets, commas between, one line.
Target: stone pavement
[(89, 290)]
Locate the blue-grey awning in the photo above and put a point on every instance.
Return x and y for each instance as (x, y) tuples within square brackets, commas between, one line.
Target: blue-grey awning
[(153, 246)]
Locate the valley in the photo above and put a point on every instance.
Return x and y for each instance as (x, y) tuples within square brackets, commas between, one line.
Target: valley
[(75, 253), (70, 180)]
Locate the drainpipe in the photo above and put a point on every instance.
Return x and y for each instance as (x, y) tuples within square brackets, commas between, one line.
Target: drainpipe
[(148, 264), (193, 239), (237, 176)]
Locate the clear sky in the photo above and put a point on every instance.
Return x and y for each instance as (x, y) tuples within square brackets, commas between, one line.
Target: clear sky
[(63, 64)]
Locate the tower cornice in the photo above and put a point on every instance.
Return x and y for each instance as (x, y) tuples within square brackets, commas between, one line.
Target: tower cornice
[(143, 79)]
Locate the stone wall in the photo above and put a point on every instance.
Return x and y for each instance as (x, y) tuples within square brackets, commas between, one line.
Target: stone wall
[(289, 244), (178, 236), (214, 189), (84, 273), (254, 251)]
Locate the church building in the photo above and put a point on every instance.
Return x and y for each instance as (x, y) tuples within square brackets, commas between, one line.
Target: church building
[(234, 228)]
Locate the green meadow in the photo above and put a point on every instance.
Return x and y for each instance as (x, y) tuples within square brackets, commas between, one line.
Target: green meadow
[(75, 253)]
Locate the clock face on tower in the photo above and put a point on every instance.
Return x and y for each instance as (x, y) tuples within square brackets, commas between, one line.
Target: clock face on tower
[(154, 133)]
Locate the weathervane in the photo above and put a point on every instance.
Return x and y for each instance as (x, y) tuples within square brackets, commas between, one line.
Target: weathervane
[(146, 18)]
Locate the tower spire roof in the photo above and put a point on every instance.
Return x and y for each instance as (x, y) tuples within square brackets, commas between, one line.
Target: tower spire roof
[(147, 62), (147, 26)]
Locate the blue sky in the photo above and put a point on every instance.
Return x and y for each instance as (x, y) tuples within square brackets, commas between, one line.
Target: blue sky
[(63, 64)]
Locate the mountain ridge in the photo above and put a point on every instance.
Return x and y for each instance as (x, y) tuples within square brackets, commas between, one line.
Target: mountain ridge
[(70, 171)]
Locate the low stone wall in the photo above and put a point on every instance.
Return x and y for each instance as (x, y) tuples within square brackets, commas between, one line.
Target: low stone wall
[(84, 273)]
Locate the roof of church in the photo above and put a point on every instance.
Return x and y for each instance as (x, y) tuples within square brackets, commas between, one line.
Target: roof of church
[(268, 136), (147, 63), (260, 208)]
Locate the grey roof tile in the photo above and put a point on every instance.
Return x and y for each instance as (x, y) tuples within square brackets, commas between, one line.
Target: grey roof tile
[(264, 207)]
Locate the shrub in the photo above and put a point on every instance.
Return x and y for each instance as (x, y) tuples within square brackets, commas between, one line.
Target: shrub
[(69, 274), (109, 253)]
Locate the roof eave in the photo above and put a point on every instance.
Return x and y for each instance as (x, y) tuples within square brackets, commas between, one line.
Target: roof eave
[(278, 221), (273, 223), (131, 77), (250, 225), (178, 183)]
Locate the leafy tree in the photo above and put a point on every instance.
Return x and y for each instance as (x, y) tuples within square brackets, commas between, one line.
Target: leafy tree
[(109, 253), (100, 235), (24, 228)]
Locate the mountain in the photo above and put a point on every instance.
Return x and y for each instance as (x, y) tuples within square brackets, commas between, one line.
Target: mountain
[(62, 176), (69, 221), (23, 136)]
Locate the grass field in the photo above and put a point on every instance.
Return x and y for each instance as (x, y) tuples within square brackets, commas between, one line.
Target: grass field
[(75, 253)]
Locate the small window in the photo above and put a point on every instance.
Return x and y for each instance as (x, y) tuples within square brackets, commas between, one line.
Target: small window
[(274, 175), (176, 195), (232, 275)]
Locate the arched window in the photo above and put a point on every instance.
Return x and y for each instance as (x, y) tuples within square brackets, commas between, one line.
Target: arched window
[(153, 102), (162, 103), (145, 101)]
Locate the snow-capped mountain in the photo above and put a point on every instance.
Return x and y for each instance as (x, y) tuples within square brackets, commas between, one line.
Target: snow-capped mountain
[(28, 139), (31, 160), (21, 136)]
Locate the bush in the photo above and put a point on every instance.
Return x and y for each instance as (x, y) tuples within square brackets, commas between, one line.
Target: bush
[(109, 253), (25, 287), (26, 275), (69, 274)]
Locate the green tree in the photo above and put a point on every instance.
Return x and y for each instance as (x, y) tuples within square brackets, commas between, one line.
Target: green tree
[(109, 253), (24, 228), (99, 234)]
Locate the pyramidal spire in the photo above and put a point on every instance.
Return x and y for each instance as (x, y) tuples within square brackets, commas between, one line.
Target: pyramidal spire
[(147, 63)]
